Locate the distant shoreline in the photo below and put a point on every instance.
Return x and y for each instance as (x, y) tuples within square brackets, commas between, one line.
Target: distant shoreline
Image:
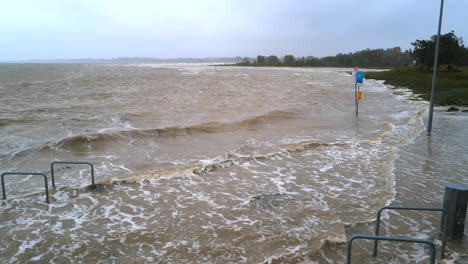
[(129, 60)]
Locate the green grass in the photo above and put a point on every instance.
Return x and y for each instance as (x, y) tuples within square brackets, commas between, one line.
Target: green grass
[(451, 87)]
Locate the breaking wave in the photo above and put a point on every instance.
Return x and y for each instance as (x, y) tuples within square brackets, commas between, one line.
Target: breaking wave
[(209, 127)]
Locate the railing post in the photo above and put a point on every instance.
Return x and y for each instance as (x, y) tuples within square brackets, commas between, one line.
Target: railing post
[(52, 174), (377, 231), (92, 175), (46, 188), (348, 249), (3, 187), (445, 232)]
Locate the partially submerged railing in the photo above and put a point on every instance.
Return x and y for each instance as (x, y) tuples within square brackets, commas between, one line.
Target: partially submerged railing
[(400, 239), (377, 238), (444, 213), (71, 162), (25, 173), (45, 177)]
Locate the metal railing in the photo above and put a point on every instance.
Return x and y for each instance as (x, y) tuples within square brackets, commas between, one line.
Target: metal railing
[(377, 238), (45, 177), (400, 239), (25, 173), (71, 162), (390, 207)]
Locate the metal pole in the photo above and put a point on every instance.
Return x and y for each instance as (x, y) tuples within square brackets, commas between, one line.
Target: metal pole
[(52, 174), (434, 73), (355, 94), (357, 102)]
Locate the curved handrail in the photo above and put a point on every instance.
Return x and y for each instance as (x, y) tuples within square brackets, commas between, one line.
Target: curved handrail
[(71, 162), (400, 239), (25, 173), (391, 207)]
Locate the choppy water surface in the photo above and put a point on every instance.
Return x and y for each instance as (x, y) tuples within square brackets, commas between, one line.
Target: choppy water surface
[(199, 164)]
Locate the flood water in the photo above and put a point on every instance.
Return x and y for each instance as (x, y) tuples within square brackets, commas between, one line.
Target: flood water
[(203, 164)]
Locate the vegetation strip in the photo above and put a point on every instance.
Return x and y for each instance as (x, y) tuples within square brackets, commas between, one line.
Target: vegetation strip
[(451, 87)]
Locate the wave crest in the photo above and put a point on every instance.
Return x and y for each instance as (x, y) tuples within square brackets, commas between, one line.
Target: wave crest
[(92, 140)]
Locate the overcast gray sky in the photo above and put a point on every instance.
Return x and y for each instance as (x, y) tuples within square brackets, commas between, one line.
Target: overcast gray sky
[(56, 29)]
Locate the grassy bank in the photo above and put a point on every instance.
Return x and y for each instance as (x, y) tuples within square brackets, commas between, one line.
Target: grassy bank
[(451, 87)]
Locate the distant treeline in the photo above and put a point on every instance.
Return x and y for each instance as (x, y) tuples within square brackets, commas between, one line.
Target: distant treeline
[(452, 53), (365, 58)]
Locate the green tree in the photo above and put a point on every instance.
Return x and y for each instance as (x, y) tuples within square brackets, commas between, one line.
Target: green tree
[(465, 57), (289, 60), (261, 59), (300, 62), (451, 50), (312, 61), (272, 60)]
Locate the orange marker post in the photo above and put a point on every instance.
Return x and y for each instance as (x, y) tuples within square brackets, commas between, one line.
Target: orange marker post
[(359, 95)]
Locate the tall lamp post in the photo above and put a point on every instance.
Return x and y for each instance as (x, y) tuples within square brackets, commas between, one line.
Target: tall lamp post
[(434, 73)]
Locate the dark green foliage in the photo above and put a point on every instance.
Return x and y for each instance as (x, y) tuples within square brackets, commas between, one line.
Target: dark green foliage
[(289, 60), (465, 57), (451, 51), (451, 88), (260, 60), (365, 58), (272, 61)]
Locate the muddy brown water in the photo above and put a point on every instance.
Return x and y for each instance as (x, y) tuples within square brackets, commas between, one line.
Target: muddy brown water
[(198, 164)]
